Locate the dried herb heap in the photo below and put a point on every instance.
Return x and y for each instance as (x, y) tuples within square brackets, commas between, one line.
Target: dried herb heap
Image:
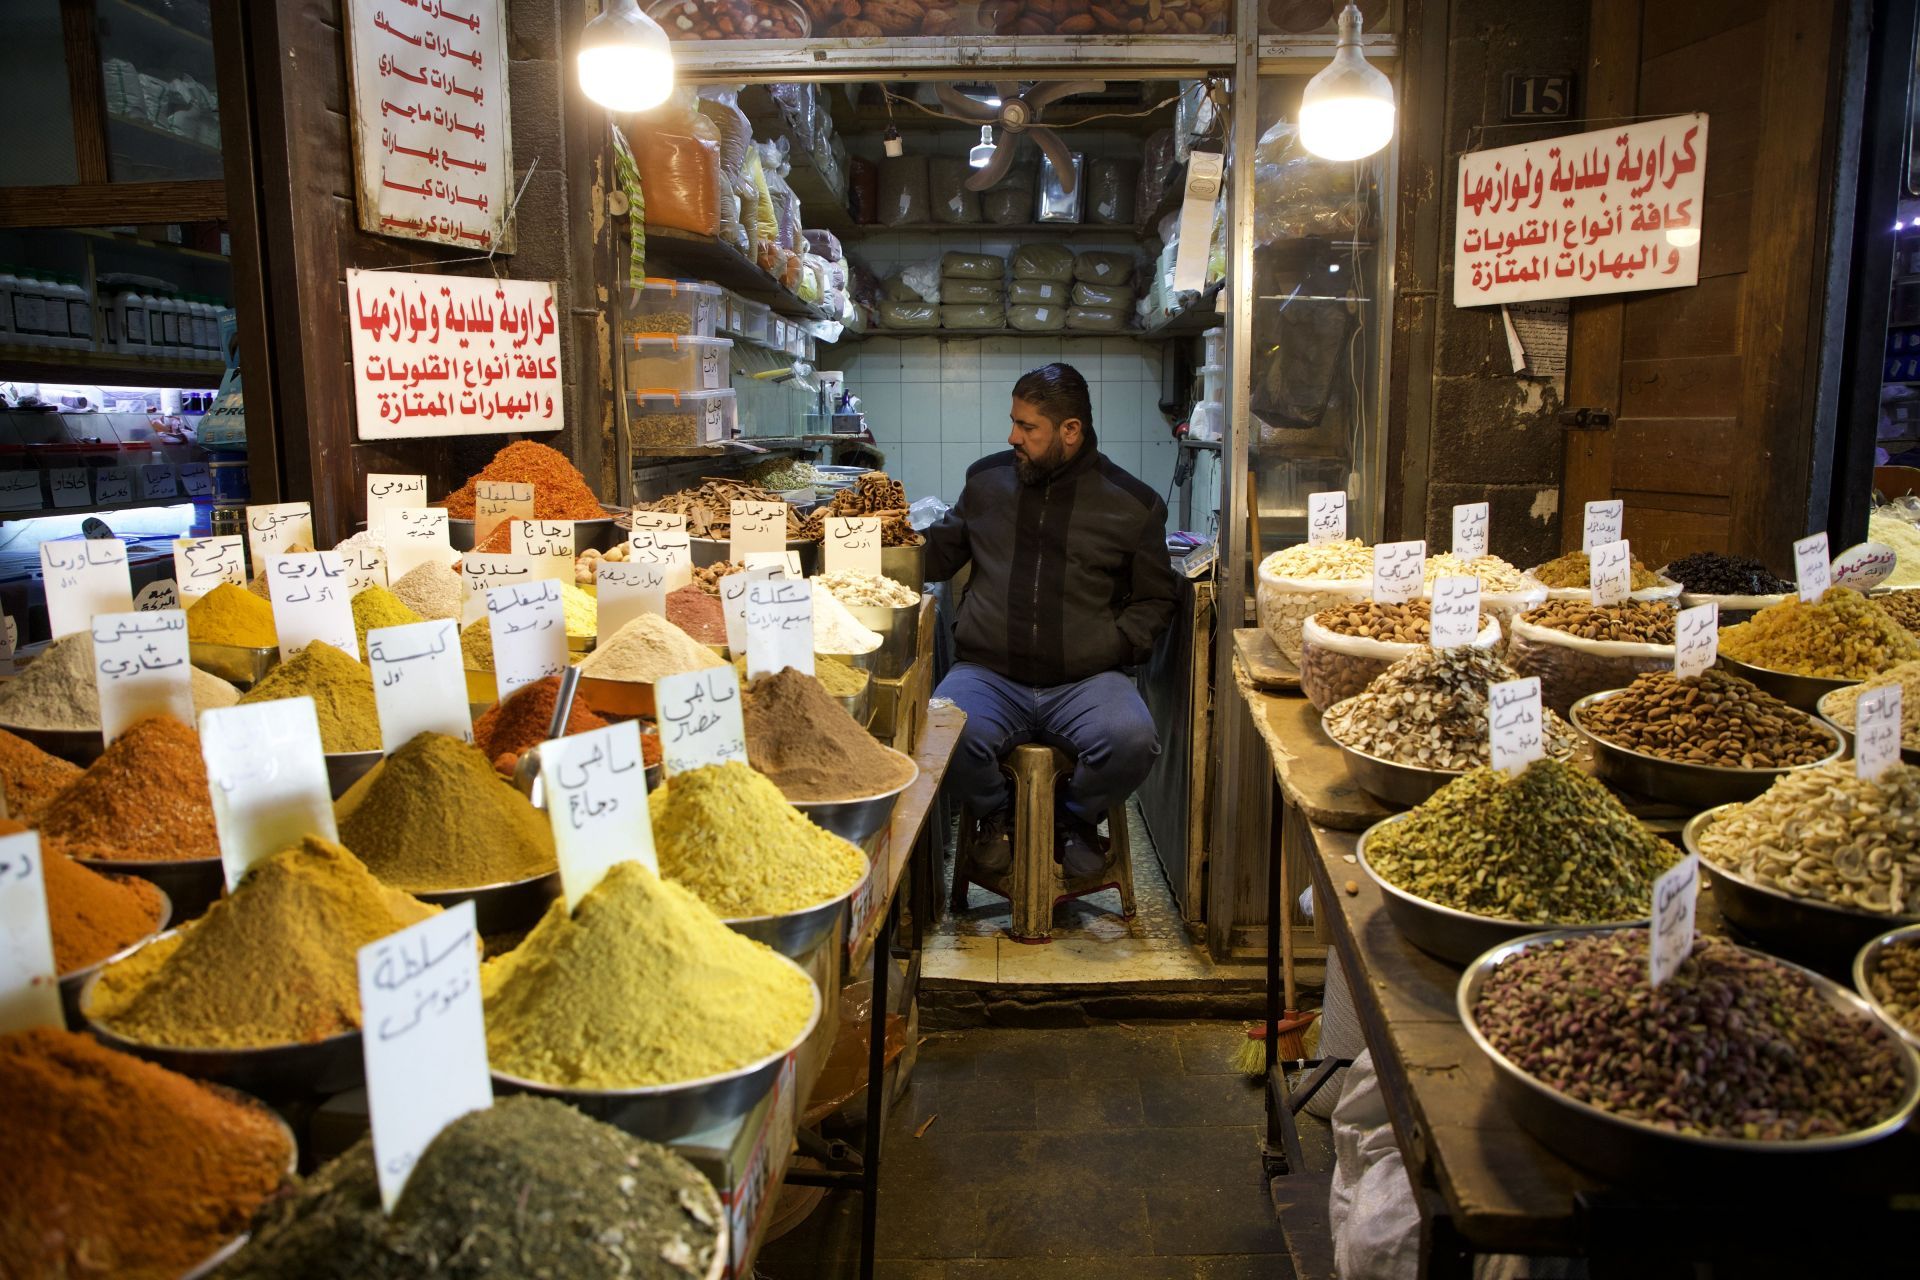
[(1714, 718), (1430, 709)]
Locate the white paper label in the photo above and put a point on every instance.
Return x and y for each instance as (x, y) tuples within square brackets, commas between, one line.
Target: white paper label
[(733, 600), (596, 788), (1399, 568), (311, 602), (700, 722), (10, 638), (1514, 722), (387, 492), (757, 526), (1470, 521), (782, 564), (495, 503), (626, 591), (268, 777), (140, 668), (1675, 895), (1198, 199), (161, 593), (853, 544), (779, 627), (195, 480), (415, 536), (1327, 516), (483, 573), (1864, 566), (418, 682), (1876, 731), (72, 487), (84, 576), (365, 567), (1696, 640), (548, 543), (425, 1038), (29, 982), (668, 549), (658, 521), (1610, 572), (113, 485), (1812, 570), (19, 490), (529, 628), (271, 529), (1605, 522), (201, 564), (158, 481), (1456, 612)]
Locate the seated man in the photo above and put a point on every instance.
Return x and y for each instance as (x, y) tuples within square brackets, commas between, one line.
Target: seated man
[(1071, 582)]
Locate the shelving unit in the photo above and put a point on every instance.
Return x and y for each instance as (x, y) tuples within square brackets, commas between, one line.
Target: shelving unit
[(39, 364), (822, 206), (702, 257), (91, 509), (993, 230)]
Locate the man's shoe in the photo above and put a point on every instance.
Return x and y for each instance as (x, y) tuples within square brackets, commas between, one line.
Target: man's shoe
[(993, 849), (1082, 851)]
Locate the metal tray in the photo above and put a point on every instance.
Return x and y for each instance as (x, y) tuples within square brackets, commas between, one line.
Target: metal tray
[(1636, 1151), (78, 746), (191, 884), (906, 565), (1799, 691), (708, 551), (795, 934), (344, 768), (239, 665), (1695, 786), (72, 983), (507, 907), (1907, 754), (618, 697), (1407, 785), (1868, 961), (855, 820), (211, 1264), (599, 534)]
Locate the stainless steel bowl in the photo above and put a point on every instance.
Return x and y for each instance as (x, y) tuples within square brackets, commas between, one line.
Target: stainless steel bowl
[(602, 534), (858, 705), (344, 768), (855, 820), (1696, 786), (1825, 709), (796, 933), (191, 885), (1799, 691), (239, 665), (906, 565), (71, 984), (1868, 962), (1636, 1151), (79, 746), (1407, 785), (899, 630), (1449, 933), (708, 551), (211, 1264), (507, 907)]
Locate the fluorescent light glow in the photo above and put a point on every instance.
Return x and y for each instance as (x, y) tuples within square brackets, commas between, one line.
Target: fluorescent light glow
[(625, 60), (1347, 112), (1333, 267)]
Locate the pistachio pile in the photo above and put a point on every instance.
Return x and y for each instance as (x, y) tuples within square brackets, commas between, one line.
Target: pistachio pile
[(1829, 835), (1430, 709), (1575, 570), (1843, 636), (1713, 718), (1842, 705), (1896, 984), (1336, 561), (1637, 621), (1550, 846), (1496, 576), (1734, 1045)]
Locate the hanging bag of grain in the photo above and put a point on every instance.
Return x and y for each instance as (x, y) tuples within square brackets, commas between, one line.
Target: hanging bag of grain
[(904, 197), (1336, 664), (1577, 649)]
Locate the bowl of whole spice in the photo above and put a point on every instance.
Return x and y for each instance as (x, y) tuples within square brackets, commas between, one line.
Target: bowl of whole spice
[(1640, 1083), (1886, 973)]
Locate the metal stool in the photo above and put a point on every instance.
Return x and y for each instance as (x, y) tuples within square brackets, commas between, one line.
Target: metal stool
[(1035, 884)]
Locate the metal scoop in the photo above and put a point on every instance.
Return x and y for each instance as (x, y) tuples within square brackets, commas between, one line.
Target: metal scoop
[(526, 770)]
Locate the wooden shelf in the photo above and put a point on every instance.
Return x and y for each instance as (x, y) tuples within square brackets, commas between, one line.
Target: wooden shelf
[(993, 230), (145, 126), (1185, 324), (37, 364), (706, 258), (768, 444), (156, 246), (164, 23)]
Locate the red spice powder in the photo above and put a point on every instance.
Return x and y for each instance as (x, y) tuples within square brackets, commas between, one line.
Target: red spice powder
[(698, 614), (560, 492), (509, 728)]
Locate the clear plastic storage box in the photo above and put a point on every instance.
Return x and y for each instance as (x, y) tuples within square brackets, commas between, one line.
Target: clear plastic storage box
[(666, 419), (684, 308), (678, 364)]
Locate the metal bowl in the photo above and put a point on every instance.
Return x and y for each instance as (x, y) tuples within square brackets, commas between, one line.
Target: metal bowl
[(1636, 1151), (708, 551), (507, 907), (855, 820), (906, 565), (1803, 692), (1824, 707), (210, 1265), (344, 768), (1449, 933), (72, 983), (1407, 785), (1695, 786), (859, 705), (600, 534), (795, 934), (239, 665), (899, 630), (618, 697), (191, 884), (1868, 962), (663, 1112), (78, 746), (1820, 934)]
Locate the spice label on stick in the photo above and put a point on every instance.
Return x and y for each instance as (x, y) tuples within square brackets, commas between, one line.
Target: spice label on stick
[(140, 668), (112, 485), (496, 502), (667, 548), (1455, 613), (1675, 896), (733, 599), (1864, 566), (72, 487), (779, 627), (1610, 572), (158, 481), (196, 481), (201, 564), (657, 522), (389, 492), (1514, 724), (853, 544), (84, 576), (366, 567), (1876, 731), (626, 591), (273, 528), (757, 526), (1812, 569), (29, 980), (424, 1039), (481, 573), (549, 543), (1327, 516), (419, 682), (413, 536), (1470, 521), (1696, 639), (1605, 522), (311, 602), (700, 721), (1398, 570), (596, 789), (783, 564), (529, 628), (268, 777)]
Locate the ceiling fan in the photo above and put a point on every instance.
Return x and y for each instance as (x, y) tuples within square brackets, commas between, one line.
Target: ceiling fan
[(1017, 113)]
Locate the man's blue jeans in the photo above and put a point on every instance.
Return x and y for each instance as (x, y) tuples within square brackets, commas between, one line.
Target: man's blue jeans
[(1100, 720)]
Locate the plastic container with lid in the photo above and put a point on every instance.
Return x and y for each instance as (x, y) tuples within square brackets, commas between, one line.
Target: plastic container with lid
[(678, 364), (1213, 383), (666, 419), (756, 322), (127, 323), (685, 308), (79, 314)]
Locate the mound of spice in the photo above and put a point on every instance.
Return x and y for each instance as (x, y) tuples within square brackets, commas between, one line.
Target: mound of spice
[(144, 800), (698, 613), (1575, 570), (1339, 561), (57, 690), (375, 608), (432, 591), (1709, 573), (342, 693), (1734, 1045), (1714, 718), (232, 615), (509, 728), (94, 915), (110, 1166), (30, 778), (837, 631), (1497, 577), (582, 611), (1430, 709), (837, 678), (1842, 636), (1842, 706), (273, 962), (1637, 621), (587, 1200), (476, 644), (869, 590), (560, 492), (726, 833), (808, 746), (561, 1006), (1895, 983), (1830, 835), (646, 649), (1551, 845), (435, 815)]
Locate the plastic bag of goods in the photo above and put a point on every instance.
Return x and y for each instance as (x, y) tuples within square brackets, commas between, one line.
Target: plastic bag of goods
[(1054, 202), (826, 244), (1156, 163), (681, 177), (909, 315), (1034, 293), (1117, 296), (1335, 666), (1571, 667), (721, 105), (991, 316), (1043, 262), (1100, 319), (1296, 194), (1103, 266), (973, 292), (896, 289), (1112, 185), (903, 191), (951, 202), (1504, 606), (1041, 319), (765, 223), (924, 279), (1009, 202), (1297, 582), (813, 278), (973, 266)]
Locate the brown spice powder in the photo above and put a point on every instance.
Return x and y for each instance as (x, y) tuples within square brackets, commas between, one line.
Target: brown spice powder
[(144, 800), (810, 747)]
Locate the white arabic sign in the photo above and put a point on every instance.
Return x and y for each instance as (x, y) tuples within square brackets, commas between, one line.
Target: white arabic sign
[(1603, 212)]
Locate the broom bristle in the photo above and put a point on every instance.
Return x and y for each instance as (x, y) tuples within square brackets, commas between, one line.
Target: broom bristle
[(1251, 1058)]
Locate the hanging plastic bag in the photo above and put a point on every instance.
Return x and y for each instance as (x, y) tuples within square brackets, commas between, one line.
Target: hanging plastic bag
[(951, 201), (903, 191)]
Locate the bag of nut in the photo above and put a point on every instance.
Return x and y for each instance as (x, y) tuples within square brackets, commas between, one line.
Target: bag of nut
[(1571, 667), (1335, 665), (1295, 583)]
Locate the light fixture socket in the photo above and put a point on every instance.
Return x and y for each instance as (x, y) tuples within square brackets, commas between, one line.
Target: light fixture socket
[(892, 144), (1347, 111), (982, 154)]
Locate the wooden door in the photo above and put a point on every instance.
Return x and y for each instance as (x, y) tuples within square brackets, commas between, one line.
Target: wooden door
[(1712, 389)]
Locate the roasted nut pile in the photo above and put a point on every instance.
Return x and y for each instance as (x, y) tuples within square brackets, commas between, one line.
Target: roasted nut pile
[(1843, 636), (1407, 623), (1903, 607), (1734, 1045), (1333, 561), (1896, 984), (874, 493), (709, 509), (1496, 576), (1558, 641), (1549, 846), (586, 566), (872, 590), (1829, 835), (1842, 704), (1574, 570), (1713, 718), (1637, 621), (1708, 573), (707, 577), (1430, 709), (729, 19)]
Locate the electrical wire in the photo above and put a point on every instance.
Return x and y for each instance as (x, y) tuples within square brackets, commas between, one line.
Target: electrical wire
[(892, 97)]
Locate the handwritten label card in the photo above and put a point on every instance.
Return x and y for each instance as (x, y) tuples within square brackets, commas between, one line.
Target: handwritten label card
[(667, 548), (1696, 640), (853, 544), (311, 602), (483, 573), (494, 503), (658, 521), (1811, 567), (19, 490), (1604, 523), (1610, 572), (84, 576), (733, 599), (1456, 612), (1876, 732), (161, 593), (414, 536), (418, 682), (365, 567), (626, 591), (268, 777), (425, 1038), (700, 722), (388, 492), (72, 486), (529, 628), (596, 788), (1864, 566), (196, 480), (158, 481), (1514, 721), (140, 668), (1470, 521), (1398, 571), (201, 564), (757, 526), (29, 981), (1327, 516), (549, 543), (1675, 896), (272, 528), (113, 485), (782, 564), (779, 627)]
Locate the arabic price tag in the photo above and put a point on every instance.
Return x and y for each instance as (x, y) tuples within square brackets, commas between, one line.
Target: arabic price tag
[(424, 1039), (658, 522), (1398, 570), (140, 668), (779, 627), (596, 789), (196, 481), (84, 576), (757, 526), (413, 536), (733, 599), (29, 981), (311, 602), (1876, 732), (1455, 613), (1514, 723), (1470, 521), (782, 564), (1864, 565), (700, 722), (1696, 639), (1604, 523), (495, 502), (161, 593), (419, 684), (201, 564), (272, 528), (1812, 570), (365, 567), (1675, 895), (19, 491), (1610, 572), (388, 492), (72, 486), (482, 573), (529, 628), (113, 485), (549, 543), (627, 590), (268, 777), (158, 481), (1327, 516), (853, 544), (667, 548)]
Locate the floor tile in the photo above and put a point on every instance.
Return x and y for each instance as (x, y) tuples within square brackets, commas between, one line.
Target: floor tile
[(1057, 1221), (1068, 1103), (1184, 1100), (981, 1105), (961, 958), (1206, 1220), (1208, 1049)]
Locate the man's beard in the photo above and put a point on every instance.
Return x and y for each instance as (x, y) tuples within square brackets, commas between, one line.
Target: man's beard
[(1038, 470)]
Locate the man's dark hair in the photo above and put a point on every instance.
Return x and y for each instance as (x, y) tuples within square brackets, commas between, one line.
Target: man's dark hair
[(1058, 391)]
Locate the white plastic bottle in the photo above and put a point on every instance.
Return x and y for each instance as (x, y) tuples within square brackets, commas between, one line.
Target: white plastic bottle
[(130, 327), (29, 310), (206, 330), (54, 302), (167, 307), (78, 313)]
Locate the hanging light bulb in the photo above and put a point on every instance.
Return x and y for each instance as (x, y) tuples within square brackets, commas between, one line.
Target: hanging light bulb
[(982, 154), (895, 145), (1347, 111), (625, 62)]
